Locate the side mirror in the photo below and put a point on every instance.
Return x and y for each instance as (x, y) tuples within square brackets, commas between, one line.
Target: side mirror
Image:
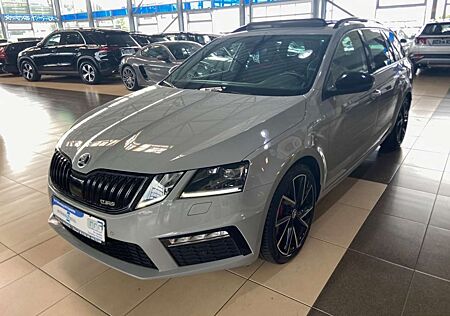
[(403, 41), (163, 58), (352, 82)]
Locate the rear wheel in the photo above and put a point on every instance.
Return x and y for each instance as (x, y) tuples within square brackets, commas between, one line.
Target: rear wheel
[(89, 73), (29, 71), (397, 135), (129, 78), (290, 215)]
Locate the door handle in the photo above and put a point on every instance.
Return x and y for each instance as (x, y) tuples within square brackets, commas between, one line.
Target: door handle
[(376, 93)]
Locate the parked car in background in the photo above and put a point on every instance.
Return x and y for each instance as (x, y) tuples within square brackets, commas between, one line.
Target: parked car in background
[(144, 39), (9, 53), (431, 47), (406, 36), (202, 39), (152, 63), (90, 53), (209, 171)]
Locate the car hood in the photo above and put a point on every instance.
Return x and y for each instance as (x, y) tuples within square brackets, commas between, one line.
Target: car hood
[(161, 129)]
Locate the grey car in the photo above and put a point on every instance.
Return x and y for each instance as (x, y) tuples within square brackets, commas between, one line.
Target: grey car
[(225, 159), (152, 63)]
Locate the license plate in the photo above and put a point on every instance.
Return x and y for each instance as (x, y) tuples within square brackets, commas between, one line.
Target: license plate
[(441, 42), (82, 223), (127, 51)]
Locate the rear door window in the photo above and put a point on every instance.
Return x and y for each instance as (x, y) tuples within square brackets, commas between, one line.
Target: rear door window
[(380, 55), (72, 38), (395, 44)]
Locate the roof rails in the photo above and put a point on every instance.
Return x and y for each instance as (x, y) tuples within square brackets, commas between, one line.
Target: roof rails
[(314, 22), (352, 19)]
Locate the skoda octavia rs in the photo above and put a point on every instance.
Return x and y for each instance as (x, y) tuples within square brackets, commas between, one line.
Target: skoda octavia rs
[(225, 159)]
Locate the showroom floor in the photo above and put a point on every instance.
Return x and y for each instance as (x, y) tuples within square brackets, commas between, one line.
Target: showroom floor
[(380, 244)]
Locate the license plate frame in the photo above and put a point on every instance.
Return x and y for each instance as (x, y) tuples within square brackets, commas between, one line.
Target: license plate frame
[(79, 221)]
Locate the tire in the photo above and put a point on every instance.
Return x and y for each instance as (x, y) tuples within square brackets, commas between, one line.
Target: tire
[(290, 215), (89, 73), (129, 78), (396, 136), (29, 71)]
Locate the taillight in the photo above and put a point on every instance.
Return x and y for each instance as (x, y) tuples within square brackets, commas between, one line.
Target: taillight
[(106, 49), (421, 40), (2, 52)]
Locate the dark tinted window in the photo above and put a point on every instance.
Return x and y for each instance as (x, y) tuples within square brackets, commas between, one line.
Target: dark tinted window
[(109, 38), (154, 51), (183, 50), (72, 38), (437, 29), (53, 40), (141, 39), (379, 51), (348, 57)]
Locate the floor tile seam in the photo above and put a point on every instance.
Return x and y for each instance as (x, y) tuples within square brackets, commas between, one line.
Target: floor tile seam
[(60, 283), (240, 275), (21, 277), (147, 296), (229, 299), (11, 179), (130, 309), (284, 294), (404, 218)]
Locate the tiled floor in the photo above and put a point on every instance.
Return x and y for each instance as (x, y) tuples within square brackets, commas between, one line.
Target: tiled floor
[(380, 243)]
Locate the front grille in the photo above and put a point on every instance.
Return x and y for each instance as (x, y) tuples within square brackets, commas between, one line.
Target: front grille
[(108, 191), (121, 250), (210, 250)]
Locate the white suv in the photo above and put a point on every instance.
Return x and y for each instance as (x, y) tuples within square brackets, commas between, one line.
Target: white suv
[(431, 47)]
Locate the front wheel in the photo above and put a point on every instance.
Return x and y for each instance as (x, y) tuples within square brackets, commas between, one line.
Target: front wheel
[(29, 71), (129, 78), (397, 135), (290, 215), (89, 73)]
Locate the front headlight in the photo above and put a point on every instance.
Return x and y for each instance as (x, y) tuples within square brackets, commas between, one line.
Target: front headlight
[(217, 180), (159, 188)]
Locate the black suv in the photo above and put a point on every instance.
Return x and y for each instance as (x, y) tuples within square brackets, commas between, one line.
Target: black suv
[(9, 53), (91, 53)]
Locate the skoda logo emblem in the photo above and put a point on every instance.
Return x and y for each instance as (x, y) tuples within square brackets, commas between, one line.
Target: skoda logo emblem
[(83, 160)]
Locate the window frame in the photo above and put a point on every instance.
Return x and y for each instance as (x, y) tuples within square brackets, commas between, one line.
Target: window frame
[(369, 52), (51, 36), (366, 55), (81, 36), (171, 57)]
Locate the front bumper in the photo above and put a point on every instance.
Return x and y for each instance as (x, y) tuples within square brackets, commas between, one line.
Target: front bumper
[(147, 227)]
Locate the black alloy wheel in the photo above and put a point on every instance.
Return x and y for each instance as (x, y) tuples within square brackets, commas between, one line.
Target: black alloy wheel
[(129, 78), (89, 73), (397, 135), (29, 72), (290, 215)]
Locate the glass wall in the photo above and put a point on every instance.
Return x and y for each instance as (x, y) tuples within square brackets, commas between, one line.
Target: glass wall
[(72, 6)]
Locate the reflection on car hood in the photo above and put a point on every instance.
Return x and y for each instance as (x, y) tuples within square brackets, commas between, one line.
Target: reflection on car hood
[(161, 129)]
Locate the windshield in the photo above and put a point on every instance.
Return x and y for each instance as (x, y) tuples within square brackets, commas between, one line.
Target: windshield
[(279, 65), (183, 50)]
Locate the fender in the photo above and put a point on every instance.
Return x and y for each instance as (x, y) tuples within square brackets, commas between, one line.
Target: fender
[(90, 58), (21, 60)]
